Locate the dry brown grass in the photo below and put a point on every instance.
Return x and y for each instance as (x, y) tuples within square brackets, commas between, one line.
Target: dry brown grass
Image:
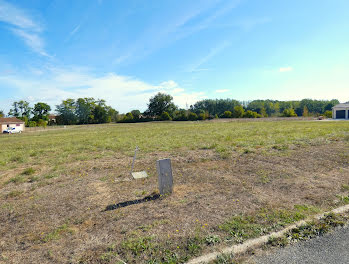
[(59, 217)]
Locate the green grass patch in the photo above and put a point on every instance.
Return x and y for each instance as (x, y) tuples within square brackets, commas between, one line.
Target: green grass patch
[(57, 233), (242, 227)]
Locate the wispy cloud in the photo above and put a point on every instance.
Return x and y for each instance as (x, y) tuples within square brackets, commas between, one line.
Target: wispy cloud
[(76, 29), (33, 41), (190, 21), (213, 52), (22, 25), (285, 69)]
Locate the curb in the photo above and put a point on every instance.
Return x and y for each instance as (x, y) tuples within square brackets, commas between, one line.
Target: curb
[(257, 242)]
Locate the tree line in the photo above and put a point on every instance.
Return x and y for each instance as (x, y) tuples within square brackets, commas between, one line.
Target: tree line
[(161, 107), (69, 112)]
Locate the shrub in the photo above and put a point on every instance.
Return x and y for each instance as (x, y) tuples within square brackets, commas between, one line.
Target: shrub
[(251, 114), (227, 114), (165, 116), (32, 124), (42, 123), (203, 116), (192, 116), (289, 113), (128, 118), (180, 115), (238, 111), (328, 114)]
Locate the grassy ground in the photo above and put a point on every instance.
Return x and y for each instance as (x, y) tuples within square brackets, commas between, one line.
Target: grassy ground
[(233, 180)]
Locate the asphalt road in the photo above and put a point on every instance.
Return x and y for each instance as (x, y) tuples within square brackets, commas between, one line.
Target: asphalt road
[(332, 248)]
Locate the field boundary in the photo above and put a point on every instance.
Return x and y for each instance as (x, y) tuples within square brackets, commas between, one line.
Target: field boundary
[(260, 241)]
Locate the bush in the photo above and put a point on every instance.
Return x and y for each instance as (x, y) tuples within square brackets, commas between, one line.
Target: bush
[(42, 123), (165, 116), (251, 114), (180, 115), (328, 114), (203, 116), (227, 114), (238, 111), (192, 116), (32, 124), (289, 113), (128, 118)]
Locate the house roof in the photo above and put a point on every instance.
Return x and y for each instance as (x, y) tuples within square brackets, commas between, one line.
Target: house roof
[(342, 105), (12, 120)]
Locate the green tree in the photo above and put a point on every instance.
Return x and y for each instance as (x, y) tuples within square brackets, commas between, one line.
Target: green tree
[(180, 115), (42, 123), (160, 103), (289, 112), (238, 111), (263, 112), (136, 114), (24, 108), (227, 114), (2, 113), (100, 114), (192, 116), (84, 110), (328, 114), (14, 111), (165, 116), (251, 114), (305, 111), (41, 111), (66, 111)]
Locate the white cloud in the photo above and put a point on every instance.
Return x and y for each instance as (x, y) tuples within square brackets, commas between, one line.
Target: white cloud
[(222, 91), (122, 92), (16, 17), (32, 40), (285, 69), (23, 26)]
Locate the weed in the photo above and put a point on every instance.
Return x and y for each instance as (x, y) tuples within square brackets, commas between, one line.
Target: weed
[(17, 179), (137, 245), (28, 171), (14, 194), (278, 241), (57, 233), (212, 239)]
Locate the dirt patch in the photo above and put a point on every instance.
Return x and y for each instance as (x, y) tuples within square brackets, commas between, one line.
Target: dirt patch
[(61, 219)]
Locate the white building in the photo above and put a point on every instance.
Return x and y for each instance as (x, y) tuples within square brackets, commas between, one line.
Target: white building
[(340, 111), (11, 122)]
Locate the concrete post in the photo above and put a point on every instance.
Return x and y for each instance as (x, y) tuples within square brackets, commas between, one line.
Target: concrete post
[(165, 177)]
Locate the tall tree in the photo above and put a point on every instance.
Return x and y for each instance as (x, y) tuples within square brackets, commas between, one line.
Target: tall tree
[(66, 111), (160, 103), (14, 111), (24, 108), (41, 111), (84, 110), (2, 113)]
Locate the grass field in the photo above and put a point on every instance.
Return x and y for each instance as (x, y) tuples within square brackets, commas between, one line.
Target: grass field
[(234, 180)]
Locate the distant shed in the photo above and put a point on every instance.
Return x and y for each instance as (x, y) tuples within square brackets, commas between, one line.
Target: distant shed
[(340, 111), (11, 122)]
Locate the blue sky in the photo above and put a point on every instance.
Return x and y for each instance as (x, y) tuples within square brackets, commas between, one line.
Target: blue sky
[(125, 51)]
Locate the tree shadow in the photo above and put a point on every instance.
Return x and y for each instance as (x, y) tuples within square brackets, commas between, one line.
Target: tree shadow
[(128, 203)]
